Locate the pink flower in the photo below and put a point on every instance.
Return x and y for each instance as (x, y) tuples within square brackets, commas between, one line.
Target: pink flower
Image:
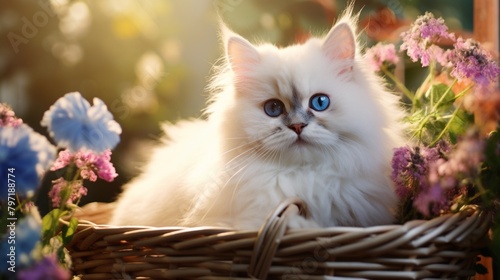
[(84, 160), (381, 54), (105, 169), (419, 41), (64, 159), (55, 192), (72, 190), (88, 174), (8, 117), (91, 165)]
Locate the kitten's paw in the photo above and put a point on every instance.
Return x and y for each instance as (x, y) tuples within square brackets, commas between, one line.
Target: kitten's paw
[(296, 222)]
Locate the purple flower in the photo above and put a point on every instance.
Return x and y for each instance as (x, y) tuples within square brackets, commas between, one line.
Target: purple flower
[(446, 176), (431, 201), (72, 190), (76, 125), (410, 174), (381, 54), (471, 61), (8, 117), (24, 157), (464, 161), (400, 174), (47, 268), (419, 41), (409, 168)]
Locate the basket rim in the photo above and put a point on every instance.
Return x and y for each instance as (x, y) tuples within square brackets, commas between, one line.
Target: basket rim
[(466, 211), (416, 241)]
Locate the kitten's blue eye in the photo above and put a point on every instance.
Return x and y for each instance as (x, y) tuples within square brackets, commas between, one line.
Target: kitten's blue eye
[(274, 108), (319, 102)]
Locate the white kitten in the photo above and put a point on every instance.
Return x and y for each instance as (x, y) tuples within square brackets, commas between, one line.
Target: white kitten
[(305, 121)]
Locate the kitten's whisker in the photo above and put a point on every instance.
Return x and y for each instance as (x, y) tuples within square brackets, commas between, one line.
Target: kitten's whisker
[(246, 151), (227, 181), (266, 154), (251, 160), (247, 144)]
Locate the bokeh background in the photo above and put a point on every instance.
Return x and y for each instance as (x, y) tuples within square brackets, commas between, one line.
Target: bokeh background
[(149, 61)]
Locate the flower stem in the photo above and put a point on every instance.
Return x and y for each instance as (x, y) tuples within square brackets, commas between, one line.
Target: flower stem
[(434, 108), (447, 125), (398, 83), (422, 123), (432, 70), (462, 93), (68, 189), (420, 92)]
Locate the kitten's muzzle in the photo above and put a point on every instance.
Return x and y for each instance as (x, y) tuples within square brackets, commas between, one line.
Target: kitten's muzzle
[(297, 127)]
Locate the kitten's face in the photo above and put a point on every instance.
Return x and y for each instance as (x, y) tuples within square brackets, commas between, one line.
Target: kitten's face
[(299, 103)]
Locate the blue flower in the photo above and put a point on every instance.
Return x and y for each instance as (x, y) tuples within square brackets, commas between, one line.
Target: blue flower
[(26, 234), (24, 157), (76, 125)]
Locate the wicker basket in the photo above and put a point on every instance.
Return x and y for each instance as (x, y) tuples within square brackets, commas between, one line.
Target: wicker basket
[(441, 248)]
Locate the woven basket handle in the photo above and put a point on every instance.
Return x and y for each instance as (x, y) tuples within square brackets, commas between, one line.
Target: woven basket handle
[(270, 235)]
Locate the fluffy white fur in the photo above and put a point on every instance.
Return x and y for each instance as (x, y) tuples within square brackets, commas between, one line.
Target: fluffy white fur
[(235, 167)]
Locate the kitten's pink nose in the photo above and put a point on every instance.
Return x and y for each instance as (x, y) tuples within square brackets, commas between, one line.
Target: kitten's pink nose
[(297, 127)]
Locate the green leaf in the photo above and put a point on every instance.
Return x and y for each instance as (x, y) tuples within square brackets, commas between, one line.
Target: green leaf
[(50, 224), (69, 230), (60, 253), (459, 125), (440, 93)]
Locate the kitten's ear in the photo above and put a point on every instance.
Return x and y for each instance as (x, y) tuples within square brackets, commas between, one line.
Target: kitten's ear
[(241, 54), (340, 43)]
